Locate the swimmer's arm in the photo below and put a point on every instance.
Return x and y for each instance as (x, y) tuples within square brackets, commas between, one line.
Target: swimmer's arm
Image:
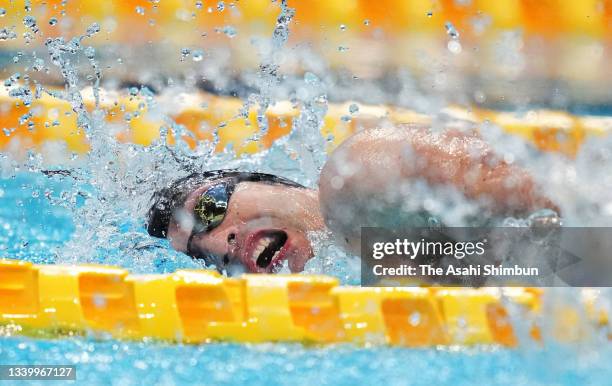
[(371, 165)]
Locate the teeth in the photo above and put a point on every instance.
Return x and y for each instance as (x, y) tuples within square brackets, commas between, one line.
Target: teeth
[(262, 244), (257, 251)]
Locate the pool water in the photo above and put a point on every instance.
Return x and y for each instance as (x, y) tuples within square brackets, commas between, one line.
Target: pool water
[(35, 227), (122, 363), (96, 216)]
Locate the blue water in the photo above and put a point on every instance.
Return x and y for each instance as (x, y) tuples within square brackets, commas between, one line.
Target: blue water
[(271, 364), (30, 227), (33, 229)]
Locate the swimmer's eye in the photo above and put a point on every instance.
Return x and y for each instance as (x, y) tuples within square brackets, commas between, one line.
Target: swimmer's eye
[(211, 207)]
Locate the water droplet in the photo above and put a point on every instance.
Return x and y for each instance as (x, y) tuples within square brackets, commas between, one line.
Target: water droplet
[(479, 96), (451, 30), (353, 108), (30, 22), (429, 14), (2, 12), (99, 301), (140, 10), (90, 52), (24, 118), (185, 52), (12, 79), (199, 4), (366, 22), (220, 6), (454, 47), (197, 55), (52, 21), (229, 31), (38, 65), (343, 48), (342, 27), (310, 78), (8, 34), (415, 319), (93, 29)]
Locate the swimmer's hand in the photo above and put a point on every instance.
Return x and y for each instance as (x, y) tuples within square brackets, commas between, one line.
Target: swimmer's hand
[(366, 180)]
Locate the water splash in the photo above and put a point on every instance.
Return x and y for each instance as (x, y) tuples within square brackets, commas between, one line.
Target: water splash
[(113, 182)]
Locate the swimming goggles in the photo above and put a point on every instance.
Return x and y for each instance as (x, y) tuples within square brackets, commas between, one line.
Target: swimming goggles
[(209, 212), (211, 206)]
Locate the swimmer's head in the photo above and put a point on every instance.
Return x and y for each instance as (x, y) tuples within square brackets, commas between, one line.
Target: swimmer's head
[(237, 221)]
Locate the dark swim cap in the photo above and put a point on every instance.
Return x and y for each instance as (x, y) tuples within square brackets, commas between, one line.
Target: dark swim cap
[(167, 200)]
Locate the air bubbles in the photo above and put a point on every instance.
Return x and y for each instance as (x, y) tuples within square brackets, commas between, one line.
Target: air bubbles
[(366, 22), (342, 27), (53, 21), (220, 6), (140, 10), (199, 4), (2, 12), (343, 48), (353, 108), (429, 14)]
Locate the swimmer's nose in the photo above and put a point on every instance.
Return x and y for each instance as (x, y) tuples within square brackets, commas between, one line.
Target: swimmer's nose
[(232, 248)]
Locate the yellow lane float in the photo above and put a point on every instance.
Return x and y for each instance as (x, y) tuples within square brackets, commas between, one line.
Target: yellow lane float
[(195, 306), (141, 21), (207, 116)]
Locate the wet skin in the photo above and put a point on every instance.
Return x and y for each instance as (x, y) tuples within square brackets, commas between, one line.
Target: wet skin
[(266, 225), (365, 171)]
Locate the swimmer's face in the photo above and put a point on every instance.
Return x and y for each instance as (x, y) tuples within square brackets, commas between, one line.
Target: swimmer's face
[(264, 227)]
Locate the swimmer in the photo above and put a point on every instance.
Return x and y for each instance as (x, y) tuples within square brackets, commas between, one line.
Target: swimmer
[(255, 222)]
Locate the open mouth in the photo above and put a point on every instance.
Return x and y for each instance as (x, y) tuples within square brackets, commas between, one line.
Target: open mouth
[(268, 248)]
